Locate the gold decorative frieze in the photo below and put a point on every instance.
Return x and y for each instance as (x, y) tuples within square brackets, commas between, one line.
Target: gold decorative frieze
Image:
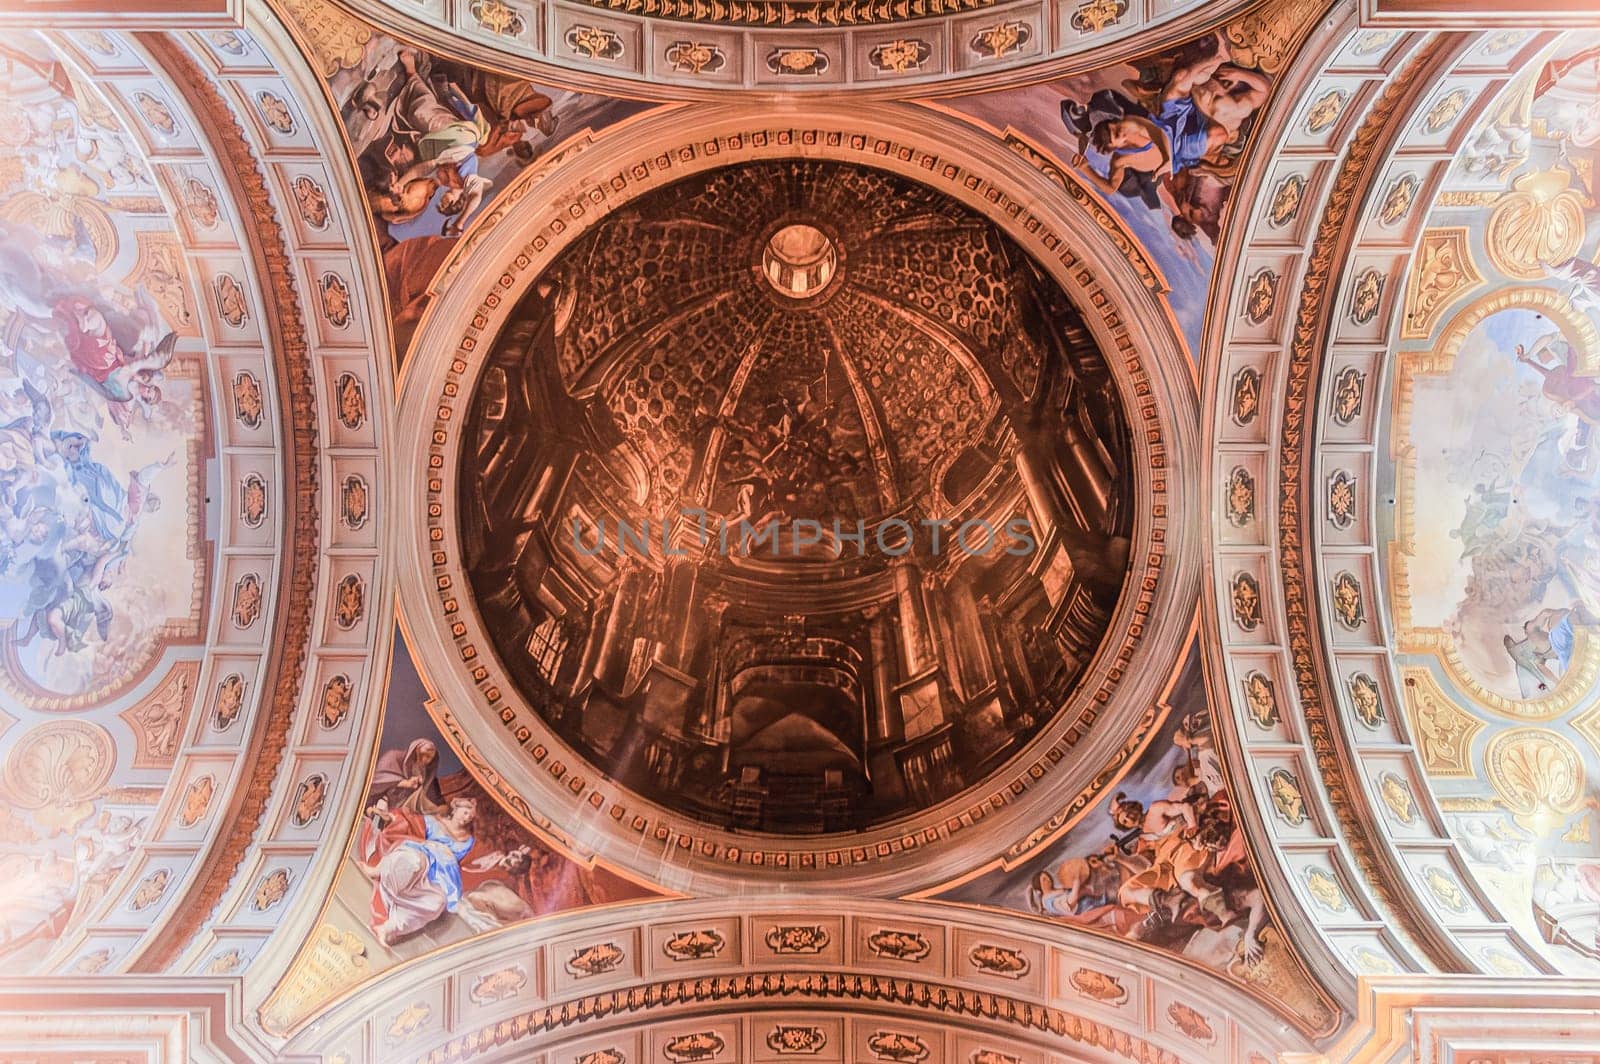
[(1444, 271)]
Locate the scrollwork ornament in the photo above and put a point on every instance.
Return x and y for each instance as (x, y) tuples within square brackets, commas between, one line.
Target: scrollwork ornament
[(1538, 774)]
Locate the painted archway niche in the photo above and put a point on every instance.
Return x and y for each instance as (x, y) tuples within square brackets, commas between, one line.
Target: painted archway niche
[(628, 699)]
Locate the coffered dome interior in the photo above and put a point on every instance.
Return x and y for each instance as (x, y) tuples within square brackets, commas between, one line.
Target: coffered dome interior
[(882, 469)]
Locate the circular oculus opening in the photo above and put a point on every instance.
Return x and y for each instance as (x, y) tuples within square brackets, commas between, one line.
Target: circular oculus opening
[(799, 261)]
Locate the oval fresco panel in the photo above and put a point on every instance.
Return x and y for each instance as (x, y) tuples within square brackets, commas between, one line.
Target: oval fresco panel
[(100, 410)]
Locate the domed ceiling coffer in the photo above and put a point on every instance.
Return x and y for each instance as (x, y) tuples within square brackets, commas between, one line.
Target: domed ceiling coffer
[(805, 564)]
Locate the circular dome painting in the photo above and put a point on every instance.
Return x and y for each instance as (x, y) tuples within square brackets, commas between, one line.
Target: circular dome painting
[(796, 497)]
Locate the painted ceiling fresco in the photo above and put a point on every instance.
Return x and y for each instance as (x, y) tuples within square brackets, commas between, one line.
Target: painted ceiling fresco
[(1159, 858), (800, 336), (436, 141), (104, 421), (1160, 139), (102, 436), (434, 859), (1494, 560), (816, 686)]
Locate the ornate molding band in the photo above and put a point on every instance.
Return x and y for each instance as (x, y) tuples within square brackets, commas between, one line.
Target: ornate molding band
[(694, 49), (1297, 490), (298, 576), (729, 990)]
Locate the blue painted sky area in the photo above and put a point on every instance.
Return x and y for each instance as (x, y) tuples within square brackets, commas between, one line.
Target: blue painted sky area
[(404, 717), (1034, 111)]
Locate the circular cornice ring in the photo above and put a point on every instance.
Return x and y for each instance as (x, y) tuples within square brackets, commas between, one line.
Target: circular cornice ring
[(534, 772)]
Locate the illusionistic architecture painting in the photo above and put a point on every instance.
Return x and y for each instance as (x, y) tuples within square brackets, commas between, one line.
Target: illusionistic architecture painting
[(944, 532)]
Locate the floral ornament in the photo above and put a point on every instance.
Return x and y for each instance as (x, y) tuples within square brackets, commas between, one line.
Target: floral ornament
[(1364, 299), (595, 42), (1398, 200), (1397, 796), (499, 18), (690, 1048), (196, 800), (898, 945), (247, 403), (1372, 962), (595, 960), (150, 890), (253, 501), (352, 401), (500, 985), (797, 61), (1365, 699), (335, 702), (1092, 16), (697, 945), (1325, 891), (229, 42), (1241, 497), (98, 42), (308, 799), (230, 300), (1099, 986), (335, 300), (408, 1023), (1445, 889), (1445, 110), (310, 201), (1347, 600), (804, 938), (1261, 696), (1349, 389), (789, 1038), (247, 600), (156, 114), (353, 502), (229, 702), (1246, 599), (1286, 797), (1374, 41), (225, 963), (1261, 297), (276, 112), (1245, 402), (897, 1047), (690, 57), (899, 56), (271, 890), (1325, 111), (1341, 499), (200, 203), (350, 601), (1191, 1023), (1286, 200), (1001, 39), (999, 960)]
